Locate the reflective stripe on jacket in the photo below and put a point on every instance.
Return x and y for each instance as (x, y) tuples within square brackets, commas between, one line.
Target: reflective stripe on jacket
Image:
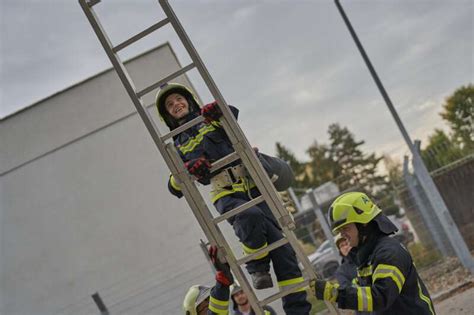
[(209, 141), (388, 283)]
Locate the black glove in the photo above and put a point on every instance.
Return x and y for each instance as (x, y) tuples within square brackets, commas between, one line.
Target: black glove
[(223, 274), (211, 112), (200, 167)]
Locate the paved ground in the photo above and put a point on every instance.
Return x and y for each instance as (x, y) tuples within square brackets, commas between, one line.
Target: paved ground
[(459, 304)]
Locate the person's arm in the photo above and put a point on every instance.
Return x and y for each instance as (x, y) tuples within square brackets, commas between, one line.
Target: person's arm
[(390, 267), (219, 299), (345, 273)]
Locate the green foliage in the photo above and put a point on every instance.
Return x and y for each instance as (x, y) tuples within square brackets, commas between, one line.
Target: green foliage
[(458, 111), (440, 151), (341, 161)]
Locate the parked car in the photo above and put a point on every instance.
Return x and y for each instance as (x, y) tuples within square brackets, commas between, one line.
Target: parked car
[(325, 260)]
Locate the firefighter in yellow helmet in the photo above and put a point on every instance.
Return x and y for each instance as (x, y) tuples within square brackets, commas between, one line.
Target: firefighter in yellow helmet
[(387, 281)]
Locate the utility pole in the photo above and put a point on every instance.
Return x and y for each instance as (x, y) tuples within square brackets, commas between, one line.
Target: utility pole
[(421, 172)]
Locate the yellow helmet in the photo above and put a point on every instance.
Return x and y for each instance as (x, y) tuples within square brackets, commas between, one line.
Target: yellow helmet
[(195, 296), (352, 207)]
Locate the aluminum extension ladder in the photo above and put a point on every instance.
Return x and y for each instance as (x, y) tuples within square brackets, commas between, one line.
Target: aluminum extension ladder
[(242, 148)]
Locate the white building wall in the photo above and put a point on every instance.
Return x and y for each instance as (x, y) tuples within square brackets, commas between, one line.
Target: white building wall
[(85, 206)]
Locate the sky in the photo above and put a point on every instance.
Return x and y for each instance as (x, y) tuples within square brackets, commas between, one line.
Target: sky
[(290, 66)]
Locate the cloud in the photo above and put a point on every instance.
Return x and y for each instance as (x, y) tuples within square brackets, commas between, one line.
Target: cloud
[(291, 68)]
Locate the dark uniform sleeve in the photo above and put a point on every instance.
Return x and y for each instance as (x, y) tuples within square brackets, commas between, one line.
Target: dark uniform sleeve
[(389, 271), (346, 273), (219, 300)]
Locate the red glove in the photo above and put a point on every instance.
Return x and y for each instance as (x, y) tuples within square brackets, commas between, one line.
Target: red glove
[(223, 275), (211, 112), (199, 167)]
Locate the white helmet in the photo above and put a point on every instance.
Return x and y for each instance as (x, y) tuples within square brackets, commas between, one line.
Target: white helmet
[(195, 296)]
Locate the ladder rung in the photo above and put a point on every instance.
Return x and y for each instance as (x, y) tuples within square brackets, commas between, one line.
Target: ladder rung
[(165, 80), (239, 209), (270, 247), (224, 161), (140, 35), (92, 3), (284, 292), (182, 128)]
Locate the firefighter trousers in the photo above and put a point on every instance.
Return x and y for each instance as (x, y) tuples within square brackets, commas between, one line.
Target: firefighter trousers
[(257, 228)]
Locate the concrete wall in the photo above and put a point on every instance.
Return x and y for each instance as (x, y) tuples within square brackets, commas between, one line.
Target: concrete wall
[(85, 207)]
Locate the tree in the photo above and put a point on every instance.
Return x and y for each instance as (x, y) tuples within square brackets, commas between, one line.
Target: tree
[(357, 168), (440, 151), (321, 167), (394, 171), (458, 111)]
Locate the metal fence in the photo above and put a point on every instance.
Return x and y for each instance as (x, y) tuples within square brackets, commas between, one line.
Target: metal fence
[(409, 207)]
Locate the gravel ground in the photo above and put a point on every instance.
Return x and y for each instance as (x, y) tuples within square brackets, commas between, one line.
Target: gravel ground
[(445, 275), (459, 304)]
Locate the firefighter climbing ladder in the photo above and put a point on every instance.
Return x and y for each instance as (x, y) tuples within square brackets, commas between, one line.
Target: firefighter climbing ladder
[(242, 148)]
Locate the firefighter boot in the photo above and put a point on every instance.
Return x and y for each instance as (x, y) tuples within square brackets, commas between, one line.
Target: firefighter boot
[(261, 280)]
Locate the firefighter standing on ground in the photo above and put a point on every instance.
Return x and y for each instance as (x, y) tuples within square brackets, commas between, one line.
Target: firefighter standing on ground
[(256, 227), (387, 280)]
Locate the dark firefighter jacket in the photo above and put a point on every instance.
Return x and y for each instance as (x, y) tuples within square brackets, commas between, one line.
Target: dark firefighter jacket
[(209, 141), (387, 282), (346, 272)]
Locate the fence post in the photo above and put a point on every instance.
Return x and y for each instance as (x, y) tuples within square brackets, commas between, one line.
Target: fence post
[(100, 304), (425, 214)]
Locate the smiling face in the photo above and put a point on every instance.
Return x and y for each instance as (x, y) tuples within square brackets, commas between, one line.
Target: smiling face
[(350, 233), (177, 106)]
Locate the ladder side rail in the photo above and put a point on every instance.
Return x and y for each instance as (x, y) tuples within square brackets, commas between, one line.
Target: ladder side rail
[(174, 164), (211, 230), (233, 130), (125, 78), (189, 189), (247, 153)]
